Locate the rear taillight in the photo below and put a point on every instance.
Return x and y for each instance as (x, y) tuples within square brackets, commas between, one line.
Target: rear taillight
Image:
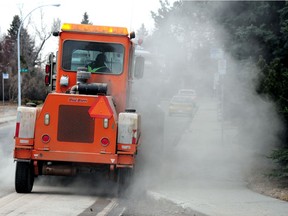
[(48, 69), (47, 79), (105, 142), (45, 138), (48, 74)]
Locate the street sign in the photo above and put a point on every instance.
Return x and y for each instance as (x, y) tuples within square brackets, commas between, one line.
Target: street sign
[(24, 70), (5, 76)]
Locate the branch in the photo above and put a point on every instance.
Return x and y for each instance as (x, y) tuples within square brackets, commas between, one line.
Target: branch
[(40, 48)]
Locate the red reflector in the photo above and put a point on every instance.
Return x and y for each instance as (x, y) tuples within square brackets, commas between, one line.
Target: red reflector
[(47, 69), (105, 142), (47, 79), (17, 129), (45, 138)]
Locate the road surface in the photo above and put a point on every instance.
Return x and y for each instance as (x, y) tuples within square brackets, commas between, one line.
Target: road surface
[(84, 195), (198, 173)]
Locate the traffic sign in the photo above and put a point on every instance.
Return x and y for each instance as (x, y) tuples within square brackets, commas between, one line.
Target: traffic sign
[(101, 108), (5, 76), (24, 70)]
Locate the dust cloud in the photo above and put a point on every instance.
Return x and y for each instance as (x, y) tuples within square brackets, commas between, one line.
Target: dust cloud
[(231, 133), (7, 166)]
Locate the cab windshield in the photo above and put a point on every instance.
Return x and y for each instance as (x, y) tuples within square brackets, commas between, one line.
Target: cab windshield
[(85, 54)]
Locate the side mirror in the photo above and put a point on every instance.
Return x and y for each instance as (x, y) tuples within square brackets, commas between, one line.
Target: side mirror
[(139, 67)]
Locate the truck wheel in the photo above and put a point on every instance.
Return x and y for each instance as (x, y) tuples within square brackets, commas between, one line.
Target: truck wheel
[(24, 177), (123, 180)]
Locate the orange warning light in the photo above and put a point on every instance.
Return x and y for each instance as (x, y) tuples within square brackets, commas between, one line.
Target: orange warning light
[(94, 29)]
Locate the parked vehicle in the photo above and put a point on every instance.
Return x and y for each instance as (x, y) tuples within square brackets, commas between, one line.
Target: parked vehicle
[(184, 105), (188, 92)]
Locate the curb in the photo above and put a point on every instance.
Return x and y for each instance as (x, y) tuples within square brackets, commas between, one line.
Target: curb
[(7, 119), (181, 203)]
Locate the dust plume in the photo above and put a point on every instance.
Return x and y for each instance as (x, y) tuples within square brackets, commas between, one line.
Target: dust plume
[(233, 130), (7, 166)]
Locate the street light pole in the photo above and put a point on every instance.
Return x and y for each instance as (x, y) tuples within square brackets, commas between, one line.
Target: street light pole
[(3, 88), (18, 49)]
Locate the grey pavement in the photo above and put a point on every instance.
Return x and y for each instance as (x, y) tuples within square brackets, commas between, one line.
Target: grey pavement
[(7, 114), (206, 171)]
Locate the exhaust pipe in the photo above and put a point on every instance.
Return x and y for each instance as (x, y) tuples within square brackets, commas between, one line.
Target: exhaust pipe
[(58, 170)]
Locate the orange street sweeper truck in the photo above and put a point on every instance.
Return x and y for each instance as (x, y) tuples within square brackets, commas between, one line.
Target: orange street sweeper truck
[(86, 123)]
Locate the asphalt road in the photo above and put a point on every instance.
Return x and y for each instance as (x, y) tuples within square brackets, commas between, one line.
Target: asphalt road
[(198, 172), (85, 196)]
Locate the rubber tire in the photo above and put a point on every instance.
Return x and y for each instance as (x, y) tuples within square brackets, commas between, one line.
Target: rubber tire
[(24, 177), (124, 176)]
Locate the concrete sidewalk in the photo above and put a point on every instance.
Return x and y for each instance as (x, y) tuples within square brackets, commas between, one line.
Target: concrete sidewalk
[(205, 173), (7, 114)]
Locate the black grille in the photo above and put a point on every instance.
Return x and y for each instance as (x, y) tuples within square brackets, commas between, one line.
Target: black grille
[(75, 124)]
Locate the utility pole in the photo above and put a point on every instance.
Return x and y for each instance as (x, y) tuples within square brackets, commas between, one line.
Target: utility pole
[(3, 88)]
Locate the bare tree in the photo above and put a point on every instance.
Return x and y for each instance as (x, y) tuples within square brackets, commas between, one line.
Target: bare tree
[(32, 46), (44, 34)]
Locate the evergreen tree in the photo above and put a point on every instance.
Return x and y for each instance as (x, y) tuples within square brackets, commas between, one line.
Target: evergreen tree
[(12, 32), (85, 19), (27, 45), (142, 32), (28, 60), (254, 31)]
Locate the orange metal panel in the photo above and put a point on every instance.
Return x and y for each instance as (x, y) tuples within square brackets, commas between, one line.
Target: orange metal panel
[(126, 159), (22, 153), (127, 147), (51, 106), (75, 157), (24, 141)]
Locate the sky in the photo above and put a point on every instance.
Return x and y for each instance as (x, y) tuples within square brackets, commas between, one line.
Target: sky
[(126, 13)]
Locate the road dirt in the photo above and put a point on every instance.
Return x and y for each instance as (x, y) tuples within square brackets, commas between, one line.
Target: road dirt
[(273, 187)]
